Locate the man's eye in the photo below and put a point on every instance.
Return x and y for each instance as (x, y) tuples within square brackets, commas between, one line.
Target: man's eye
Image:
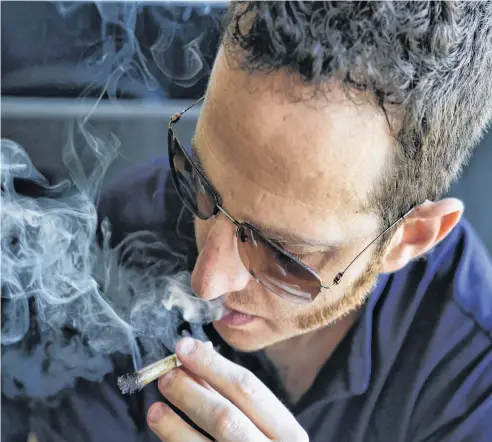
[(299, 256)]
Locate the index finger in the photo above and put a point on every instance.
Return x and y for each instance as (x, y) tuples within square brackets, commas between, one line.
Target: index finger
[(241, 387)]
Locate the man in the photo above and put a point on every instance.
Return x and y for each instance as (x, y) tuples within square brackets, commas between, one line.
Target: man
[(322, 126), (326, 127)]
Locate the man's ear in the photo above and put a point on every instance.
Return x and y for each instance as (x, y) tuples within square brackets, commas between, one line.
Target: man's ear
[(421, 230)]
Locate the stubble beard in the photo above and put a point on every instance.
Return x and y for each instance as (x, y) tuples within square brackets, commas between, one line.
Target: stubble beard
[(354, 298)]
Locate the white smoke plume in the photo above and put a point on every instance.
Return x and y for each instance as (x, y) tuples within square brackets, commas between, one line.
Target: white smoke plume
[(69, 303), (87, 303)]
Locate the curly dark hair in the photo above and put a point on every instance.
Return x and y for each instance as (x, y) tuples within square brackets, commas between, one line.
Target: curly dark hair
[(429, 63)]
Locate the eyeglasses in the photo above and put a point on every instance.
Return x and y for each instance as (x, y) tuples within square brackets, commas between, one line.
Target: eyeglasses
[(268, 263)]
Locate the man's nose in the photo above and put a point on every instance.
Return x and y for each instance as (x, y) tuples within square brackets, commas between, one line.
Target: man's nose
[(219, 269)]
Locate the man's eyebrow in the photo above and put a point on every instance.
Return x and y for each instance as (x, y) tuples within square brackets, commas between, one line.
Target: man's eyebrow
[(283, 237), (198, 163), (196, 157), (286, 237)]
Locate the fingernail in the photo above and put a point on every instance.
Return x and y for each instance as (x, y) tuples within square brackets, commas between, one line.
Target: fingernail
[(155, 413), (186, 346), (165, 380)]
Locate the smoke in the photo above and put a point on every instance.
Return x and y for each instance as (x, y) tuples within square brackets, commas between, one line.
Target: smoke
[(88, 304), (190, 65), (140, 48), (70, 304)]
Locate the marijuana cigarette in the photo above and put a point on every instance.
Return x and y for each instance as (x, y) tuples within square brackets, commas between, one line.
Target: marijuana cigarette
[(131, 382)]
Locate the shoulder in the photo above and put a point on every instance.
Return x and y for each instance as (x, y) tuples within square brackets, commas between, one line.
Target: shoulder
[(138, 198), (472, 282), (451, 285), (145, 199), (443, 306)]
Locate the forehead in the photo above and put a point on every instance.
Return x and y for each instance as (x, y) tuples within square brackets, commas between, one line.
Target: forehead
[(321, 158)]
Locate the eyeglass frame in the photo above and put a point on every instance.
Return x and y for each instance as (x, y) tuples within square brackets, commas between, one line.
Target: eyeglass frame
[(219, 209)]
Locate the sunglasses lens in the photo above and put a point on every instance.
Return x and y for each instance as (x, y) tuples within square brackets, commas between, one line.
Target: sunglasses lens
[(275, 270), (193, 190)]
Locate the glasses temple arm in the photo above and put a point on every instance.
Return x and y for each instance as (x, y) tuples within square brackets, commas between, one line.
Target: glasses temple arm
[(175, 118), (339, 276)]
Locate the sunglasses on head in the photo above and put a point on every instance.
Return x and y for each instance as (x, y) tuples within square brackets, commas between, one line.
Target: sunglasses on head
[(269, 264)]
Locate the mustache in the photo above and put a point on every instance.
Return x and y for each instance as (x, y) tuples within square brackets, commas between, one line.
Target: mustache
[(256, 300), (246, 300)]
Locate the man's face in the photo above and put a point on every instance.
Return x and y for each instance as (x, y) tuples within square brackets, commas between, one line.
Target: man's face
[(303, 167)]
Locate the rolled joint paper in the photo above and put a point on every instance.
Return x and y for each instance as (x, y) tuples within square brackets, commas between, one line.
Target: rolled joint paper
[(133, 382)]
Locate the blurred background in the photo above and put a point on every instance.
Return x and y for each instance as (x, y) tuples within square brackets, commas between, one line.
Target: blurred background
[(152, 59)]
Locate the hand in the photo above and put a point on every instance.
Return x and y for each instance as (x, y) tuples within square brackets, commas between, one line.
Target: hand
[(224, 399)]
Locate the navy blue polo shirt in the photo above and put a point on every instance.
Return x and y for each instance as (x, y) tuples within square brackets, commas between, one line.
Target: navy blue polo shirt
[(416, 366)]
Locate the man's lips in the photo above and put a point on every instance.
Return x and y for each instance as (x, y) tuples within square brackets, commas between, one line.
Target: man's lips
[(236, 317), (238, 310)]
